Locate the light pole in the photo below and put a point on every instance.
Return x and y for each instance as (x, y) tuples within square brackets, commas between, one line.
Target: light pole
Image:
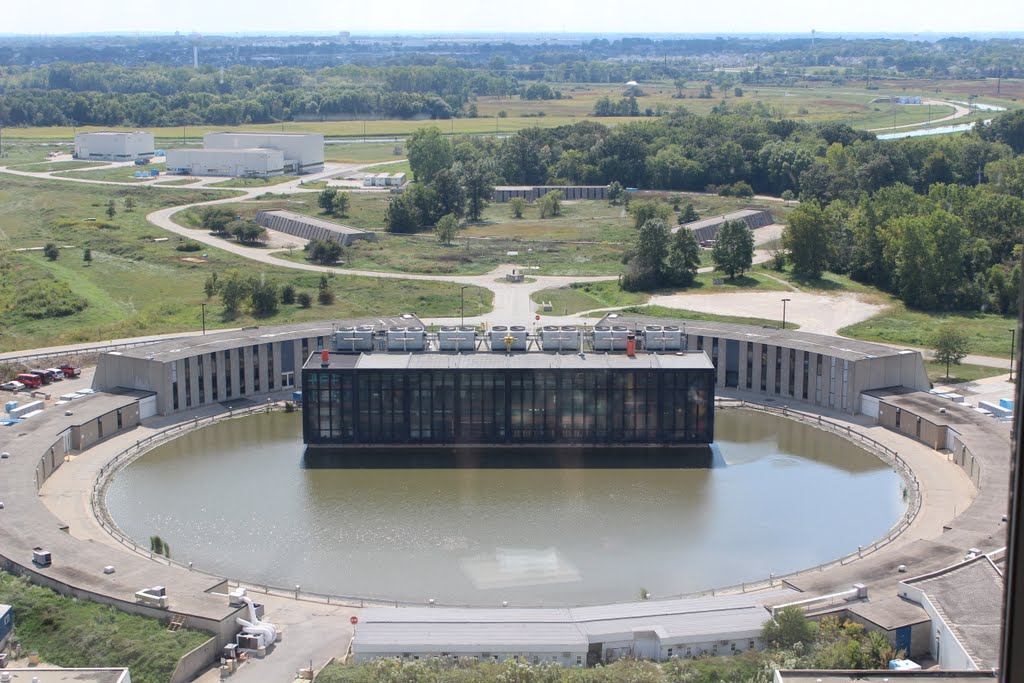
[(784, 302), (462, 306), (1013, 350), (204, 316)]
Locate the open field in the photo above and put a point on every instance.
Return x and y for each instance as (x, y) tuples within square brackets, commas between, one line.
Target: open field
[(136, 285), (394, 167), (363, 152), (828, 283), (50, 166), (586, 296), (683, 315), (987, 334), (119, 174), (78, 633)]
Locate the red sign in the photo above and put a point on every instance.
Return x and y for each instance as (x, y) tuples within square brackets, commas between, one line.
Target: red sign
[(353, 620), (537, 317)]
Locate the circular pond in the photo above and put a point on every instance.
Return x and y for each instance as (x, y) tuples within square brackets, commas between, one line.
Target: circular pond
[(236, 500)]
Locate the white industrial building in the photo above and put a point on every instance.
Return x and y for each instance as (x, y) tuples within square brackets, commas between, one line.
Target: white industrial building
[(114, 146), (302, 152), (576, 636), (235, 163)]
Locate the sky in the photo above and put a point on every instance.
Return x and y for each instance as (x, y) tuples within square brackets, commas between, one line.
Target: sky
[(391, 17)]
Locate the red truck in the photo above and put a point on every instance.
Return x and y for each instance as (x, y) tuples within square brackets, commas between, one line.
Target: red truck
[(70, 372)]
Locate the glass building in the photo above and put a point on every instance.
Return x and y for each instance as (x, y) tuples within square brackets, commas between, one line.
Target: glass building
[(528, 398)]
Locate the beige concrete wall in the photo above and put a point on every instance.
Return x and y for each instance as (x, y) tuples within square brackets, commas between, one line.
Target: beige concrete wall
[(194, 662)]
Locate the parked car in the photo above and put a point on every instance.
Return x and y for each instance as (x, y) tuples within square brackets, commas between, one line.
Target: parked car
[(70, 371), (13, 385), (43, 375), (56, 374), (29, 380)]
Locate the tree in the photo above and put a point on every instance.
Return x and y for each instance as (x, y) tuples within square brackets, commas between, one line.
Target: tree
[(211, 286), (551, 204), (808, 238), (341, 203), (234, 290), (733, 252), (159, 546), (688, 215), (446, 228), (264, 298), (451, 198), (478, 185), (288, 295), (87, 256), (215, 219), (647, 267), (951, 346), (788, 627), (111, 209), (304, 299), (129, 204), (50, 251), (429, 153), (683, 258), (325, 199), (615, 192), (325, 297), (323, 251), (516, 205), (645, 210)]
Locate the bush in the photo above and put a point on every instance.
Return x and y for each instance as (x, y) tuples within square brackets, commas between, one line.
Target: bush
[(325, 297), (51, 251), (189, 246), (288, 295), (323, 251), (47, 299), (304, 299)]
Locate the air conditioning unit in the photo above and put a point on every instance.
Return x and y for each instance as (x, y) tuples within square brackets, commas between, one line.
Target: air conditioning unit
[(41, 558)]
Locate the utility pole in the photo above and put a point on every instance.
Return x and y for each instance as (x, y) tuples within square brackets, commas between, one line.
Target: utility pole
[(1013, 350), (204, 316), (784, 302), (462, 307)]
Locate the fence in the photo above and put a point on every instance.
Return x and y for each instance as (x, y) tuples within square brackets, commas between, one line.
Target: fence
[(913, 493)]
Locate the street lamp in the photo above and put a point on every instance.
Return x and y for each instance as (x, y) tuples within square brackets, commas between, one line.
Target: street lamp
[(462, 306), (784, 302), (204, 316), (1013, 350)]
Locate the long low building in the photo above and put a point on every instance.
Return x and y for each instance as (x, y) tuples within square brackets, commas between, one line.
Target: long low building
[(706, 229), (114, 146), (234, 163), (310, 228), (577, 636), (505, 193), (302, 152)]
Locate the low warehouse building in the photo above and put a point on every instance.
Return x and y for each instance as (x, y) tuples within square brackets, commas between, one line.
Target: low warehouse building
[(577, 636), (706, 229), (114, 146), (233, 163), (310, 228), (302, 152), (505, 193), (6, 624)]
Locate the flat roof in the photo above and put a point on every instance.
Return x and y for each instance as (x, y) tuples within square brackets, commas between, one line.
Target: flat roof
[(229, 150), (970, 597), (385, 629), (840, 347), (533, 360), (268, 134), (44, 675), (310, 220), (721, 218), (185, 347)]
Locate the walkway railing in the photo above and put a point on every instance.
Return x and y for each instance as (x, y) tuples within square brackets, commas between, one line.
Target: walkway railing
[(912, 493)]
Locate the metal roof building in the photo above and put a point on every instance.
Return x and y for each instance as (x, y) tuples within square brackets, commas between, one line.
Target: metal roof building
[(311, 228), (707, 228), (575, 636), (234, 163), (109, 145)]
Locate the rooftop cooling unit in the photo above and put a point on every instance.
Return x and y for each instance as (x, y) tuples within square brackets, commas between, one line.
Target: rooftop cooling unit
[(668, 338), (353, 339), (406, 339), (499, 333), (41, 558), (451, 338), (565, 338)]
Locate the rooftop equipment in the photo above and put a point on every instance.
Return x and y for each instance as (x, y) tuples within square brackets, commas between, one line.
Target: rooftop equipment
[(451, 338), (406, 339), (500, 333), (353, 339), (658, 338), (555, 338), (610, 338)]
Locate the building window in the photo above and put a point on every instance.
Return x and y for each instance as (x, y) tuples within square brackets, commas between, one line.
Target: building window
[(174, 384), (256, 368), (241, 372), (120, 421), (213, 376), (202, 383), (188, 383), (778, 370), (807, 372), (750, 365), (714, 353), (792, 373), (270, 367), (764, 367), (228, 388)]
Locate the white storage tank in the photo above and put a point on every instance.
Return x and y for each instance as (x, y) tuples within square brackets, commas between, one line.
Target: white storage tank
[(499, 332), (565, 338), (451, 338), (406, 339)]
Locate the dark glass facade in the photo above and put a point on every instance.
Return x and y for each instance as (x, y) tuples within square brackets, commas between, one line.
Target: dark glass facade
[(507, 406)]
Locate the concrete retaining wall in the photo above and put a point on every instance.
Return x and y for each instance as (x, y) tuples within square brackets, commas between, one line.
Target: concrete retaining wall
[(190, 665)]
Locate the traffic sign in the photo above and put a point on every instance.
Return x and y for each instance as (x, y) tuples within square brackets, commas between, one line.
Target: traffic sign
[(536, 317), (353, 620)]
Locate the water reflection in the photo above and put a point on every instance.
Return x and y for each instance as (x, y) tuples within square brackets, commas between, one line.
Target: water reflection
[(236, 499)]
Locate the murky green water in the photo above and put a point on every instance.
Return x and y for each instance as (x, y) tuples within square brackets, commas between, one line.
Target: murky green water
[(236, 500)]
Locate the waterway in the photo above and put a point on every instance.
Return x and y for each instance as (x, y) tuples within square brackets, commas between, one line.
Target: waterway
[(237, 500)]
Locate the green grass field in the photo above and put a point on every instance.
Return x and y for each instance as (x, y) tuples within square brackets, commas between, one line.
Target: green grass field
[(683, 314), (988, 334), (828, 283), (137, 286), (393, 167), (364, 152), (965, 372), (51, 166), (586, 296), (119, 174), (77, 633), (254, 182)]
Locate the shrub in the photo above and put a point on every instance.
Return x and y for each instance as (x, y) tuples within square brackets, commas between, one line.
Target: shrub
[(288, 295), (189, 246), (304, 299), (47, 299), (51, 251)]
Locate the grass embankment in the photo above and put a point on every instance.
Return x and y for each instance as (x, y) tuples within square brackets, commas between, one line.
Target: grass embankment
[(828, 283), (965, 372), (364, 152), (254, 182), (393, 167), (76, 633), (136, 286), (683, 314), (50, 166), (586, 296), (987, 334), (119, 174)]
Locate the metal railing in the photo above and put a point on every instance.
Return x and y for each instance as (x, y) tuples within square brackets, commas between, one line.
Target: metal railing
[(912, 492)]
